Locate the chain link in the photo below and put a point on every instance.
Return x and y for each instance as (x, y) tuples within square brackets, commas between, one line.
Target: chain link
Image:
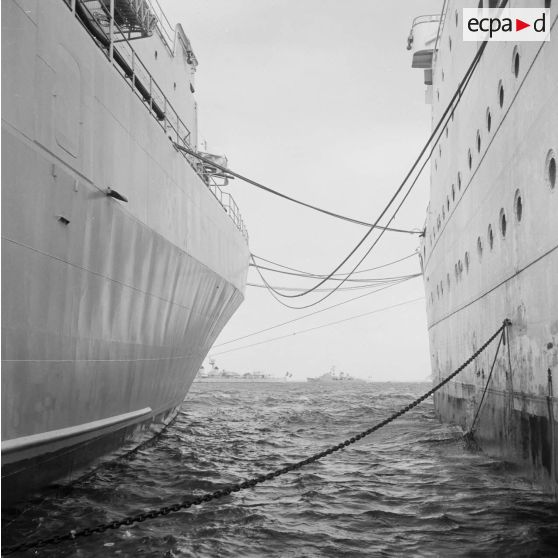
[(186, 504)]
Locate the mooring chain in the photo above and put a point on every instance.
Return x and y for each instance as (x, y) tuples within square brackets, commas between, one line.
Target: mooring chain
[(185, 504)]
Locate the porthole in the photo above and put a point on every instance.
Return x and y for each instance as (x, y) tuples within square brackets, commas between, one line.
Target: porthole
[(490, 237), (479, 247), (503, 223), (459, 181), (453, 192), (469, 158), (501, 93), (467, 261), (551, 169), (488, 119), (515, 62), (518, 205)]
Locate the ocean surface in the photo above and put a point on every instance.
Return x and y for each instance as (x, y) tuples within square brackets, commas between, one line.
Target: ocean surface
[(410, 489)]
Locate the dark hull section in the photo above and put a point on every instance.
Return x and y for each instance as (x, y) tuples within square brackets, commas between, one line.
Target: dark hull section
[(520, 432), (35, 476)]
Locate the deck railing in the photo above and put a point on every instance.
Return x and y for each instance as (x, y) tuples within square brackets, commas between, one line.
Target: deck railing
[(135, 73)]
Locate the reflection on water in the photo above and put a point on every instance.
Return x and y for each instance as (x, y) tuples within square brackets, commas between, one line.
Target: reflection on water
[(409, 489)]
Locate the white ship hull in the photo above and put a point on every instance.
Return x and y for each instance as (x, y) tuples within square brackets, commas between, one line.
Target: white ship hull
[(108, 308), (472, 283)]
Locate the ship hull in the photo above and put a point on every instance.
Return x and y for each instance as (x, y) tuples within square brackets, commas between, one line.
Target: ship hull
[(490, 249), (108, 307)]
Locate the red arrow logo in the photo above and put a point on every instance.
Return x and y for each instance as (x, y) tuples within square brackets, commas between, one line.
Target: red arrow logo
[(519, 25)]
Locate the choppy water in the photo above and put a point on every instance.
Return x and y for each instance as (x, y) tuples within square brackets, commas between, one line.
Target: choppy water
[(411, 489)]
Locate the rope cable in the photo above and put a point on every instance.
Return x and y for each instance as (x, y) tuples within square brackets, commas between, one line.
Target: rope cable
[(310, 314), (450, 108)]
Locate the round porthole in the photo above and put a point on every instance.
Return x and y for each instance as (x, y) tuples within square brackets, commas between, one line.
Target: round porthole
[(518, 205), (515, 62), (490, 237), (503, 223), (550, 166)]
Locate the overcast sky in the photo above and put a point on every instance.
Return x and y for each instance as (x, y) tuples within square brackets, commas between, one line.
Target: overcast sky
[(317, 99)]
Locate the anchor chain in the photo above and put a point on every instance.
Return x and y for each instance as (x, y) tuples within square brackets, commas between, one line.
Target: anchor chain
[(186, 504)]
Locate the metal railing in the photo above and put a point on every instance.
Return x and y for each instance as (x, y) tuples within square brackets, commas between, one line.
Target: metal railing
[(128, 64)]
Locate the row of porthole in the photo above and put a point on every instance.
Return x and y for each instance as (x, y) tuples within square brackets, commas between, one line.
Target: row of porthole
[(503, 224), (515, 70)]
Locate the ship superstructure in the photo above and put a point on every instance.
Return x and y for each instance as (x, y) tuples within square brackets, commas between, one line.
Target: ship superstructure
[(490, 247), (122, 258)]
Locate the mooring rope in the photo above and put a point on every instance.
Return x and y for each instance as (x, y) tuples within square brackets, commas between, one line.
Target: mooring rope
[(188, 503)]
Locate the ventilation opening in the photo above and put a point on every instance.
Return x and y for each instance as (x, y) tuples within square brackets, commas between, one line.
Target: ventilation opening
[(503, 223), (490, 237), (518, 206), (478, 141), (501, 94), (551, 169), (488, 120)]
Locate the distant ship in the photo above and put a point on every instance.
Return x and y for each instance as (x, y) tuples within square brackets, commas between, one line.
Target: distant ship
[(334, 376), (122, 258), (216, 374), (490, 243)]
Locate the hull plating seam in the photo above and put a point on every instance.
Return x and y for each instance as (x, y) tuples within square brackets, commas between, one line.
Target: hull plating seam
[(536, 260)]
